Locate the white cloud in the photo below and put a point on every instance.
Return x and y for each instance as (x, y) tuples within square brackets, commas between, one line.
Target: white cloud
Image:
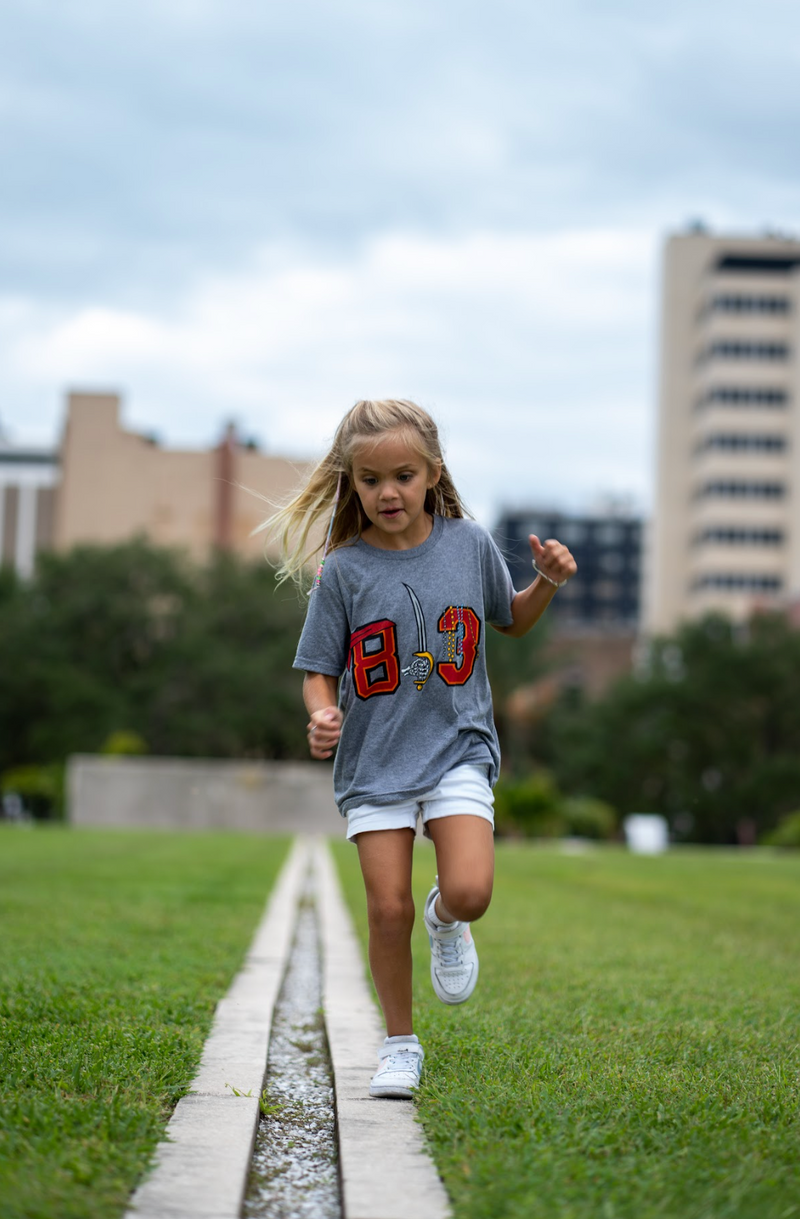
[(267, 210), (533, 351)]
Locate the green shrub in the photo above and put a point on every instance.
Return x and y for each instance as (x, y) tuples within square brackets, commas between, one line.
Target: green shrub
[(589, 818), (41, 789), (530, 806), (787, 833), (124, 744)]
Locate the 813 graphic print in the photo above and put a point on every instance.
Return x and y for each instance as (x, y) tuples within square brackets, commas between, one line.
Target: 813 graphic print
[(374, 663)]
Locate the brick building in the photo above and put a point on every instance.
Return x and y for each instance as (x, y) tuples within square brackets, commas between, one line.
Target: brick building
[(105, 484)]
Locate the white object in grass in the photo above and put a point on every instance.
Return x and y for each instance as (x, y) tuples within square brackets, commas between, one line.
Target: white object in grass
[(646, 833)]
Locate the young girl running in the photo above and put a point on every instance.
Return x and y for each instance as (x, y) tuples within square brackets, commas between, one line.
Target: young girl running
[(395, 682)]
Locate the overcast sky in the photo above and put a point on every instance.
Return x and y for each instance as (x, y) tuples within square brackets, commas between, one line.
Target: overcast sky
[(265, 211)]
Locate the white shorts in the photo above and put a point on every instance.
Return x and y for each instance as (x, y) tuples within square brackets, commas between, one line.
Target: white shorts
[(464, 789)]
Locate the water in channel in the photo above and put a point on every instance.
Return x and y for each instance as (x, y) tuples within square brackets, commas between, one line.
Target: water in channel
[(294, 1174)]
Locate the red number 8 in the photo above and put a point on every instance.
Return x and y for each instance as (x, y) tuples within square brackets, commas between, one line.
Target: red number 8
[(376, 671)]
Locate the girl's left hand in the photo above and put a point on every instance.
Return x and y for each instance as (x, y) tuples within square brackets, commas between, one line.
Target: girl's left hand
[(553, 559)]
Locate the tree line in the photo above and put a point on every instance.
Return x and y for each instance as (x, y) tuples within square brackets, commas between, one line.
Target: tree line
[(705, 731), (193, 660), (137, 643)]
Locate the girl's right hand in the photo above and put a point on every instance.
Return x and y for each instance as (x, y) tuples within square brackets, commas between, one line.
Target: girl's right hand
[(324, 730)]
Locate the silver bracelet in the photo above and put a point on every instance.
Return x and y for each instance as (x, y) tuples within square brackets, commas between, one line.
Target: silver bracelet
[(545, 576)]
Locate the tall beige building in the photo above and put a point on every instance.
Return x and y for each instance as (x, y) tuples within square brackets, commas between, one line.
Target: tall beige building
[(726, 529)]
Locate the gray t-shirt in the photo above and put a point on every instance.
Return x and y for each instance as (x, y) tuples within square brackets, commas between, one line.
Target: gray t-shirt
[(405, 631)]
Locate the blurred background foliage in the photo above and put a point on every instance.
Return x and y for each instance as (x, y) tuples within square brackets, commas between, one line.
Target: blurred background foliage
[(705, 731), (133, 649), (787, 834)]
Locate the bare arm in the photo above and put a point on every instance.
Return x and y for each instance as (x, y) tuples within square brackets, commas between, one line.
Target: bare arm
[(324, 726), (555, 561)]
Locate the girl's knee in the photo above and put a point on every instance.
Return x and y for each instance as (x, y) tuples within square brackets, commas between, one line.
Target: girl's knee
[(467, 900), (390, 913)]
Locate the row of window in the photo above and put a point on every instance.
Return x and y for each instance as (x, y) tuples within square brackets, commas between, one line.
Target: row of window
[(741, 349), (749, 304), (739, 489), (574, 533), (578, 616), (735, 536), (758, 264), (732, 395), (28, 457), (616, 561), (738, 442), (596, 590), (736, 581)]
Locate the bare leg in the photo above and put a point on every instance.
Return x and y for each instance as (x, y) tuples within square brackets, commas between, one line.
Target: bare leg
[(385, 857), (465, 863)]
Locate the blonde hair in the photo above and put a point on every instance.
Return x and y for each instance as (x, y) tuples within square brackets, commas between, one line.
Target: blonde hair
[(296, 524)]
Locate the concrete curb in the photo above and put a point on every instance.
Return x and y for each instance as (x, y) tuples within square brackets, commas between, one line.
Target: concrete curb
[(385, 1168), (200, 1169)]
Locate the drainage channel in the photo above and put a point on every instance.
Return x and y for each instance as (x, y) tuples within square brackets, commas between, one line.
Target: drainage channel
[(294, 1173)]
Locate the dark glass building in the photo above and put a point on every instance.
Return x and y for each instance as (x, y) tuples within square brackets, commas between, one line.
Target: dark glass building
[(605, 594)]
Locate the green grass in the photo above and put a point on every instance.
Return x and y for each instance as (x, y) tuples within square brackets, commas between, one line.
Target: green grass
[(632, 1050), (114, 949)]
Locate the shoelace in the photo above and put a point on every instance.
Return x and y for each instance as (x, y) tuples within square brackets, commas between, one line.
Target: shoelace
[(449, 951), (401, 1060)]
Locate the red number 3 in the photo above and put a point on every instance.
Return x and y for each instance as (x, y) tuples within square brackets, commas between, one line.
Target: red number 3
[(449, 623)]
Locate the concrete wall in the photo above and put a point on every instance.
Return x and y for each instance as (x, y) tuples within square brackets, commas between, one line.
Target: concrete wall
[(181, 793)]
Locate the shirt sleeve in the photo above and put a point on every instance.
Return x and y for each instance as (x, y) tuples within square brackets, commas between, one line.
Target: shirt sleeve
[(325, 636), (498, 589)]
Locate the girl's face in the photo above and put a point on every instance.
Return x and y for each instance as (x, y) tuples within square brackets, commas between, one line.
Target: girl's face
[(391, 479)]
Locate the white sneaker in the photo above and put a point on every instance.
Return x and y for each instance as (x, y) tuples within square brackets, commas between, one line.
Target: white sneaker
[(454, 958), (400, 1067)]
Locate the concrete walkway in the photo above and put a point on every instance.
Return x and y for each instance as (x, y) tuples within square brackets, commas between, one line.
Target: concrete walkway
[(200, 1171), (386, 1171)]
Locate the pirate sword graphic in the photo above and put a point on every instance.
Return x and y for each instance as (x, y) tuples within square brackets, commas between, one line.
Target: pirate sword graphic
[(421, 666)]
